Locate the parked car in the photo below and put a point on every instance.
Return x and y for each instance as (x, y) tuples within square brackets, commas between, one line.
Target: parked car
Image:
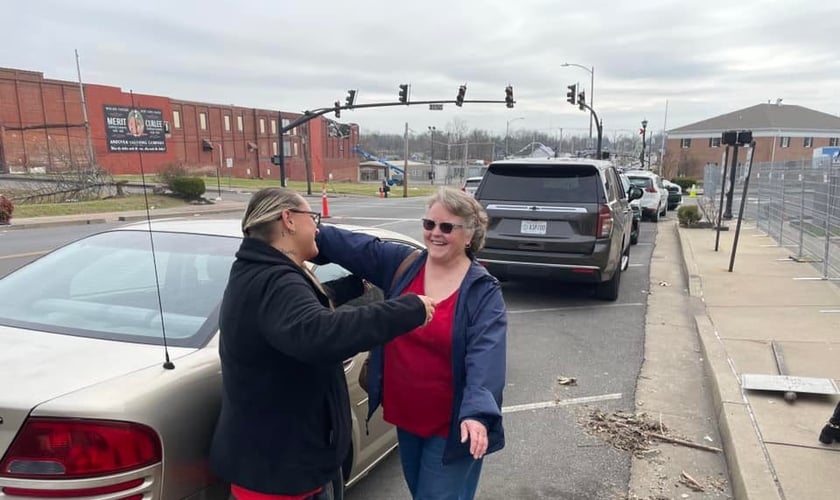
[(635, 207), (654, 201), (471, 185), (559, 218), (674, 194), (90, 408)]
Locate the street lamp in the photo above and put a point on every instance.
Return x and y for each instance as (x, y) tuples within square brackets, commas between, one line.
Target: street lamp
[(432, 155), (591, 71), (507, 133), (644, 134)]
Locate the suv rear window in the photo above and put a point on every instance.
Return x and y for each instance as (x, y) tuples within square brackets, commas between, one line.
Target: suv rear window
[(552, 184), (642, 182)]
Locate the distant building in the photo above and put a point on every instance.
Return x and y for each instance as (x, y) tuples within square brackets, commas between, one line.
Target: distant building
[(781, 132), (42, 129)]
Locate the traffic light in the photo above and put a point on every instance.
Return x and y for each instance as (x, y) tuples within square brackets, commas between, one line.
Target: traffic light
[(459, 99), (582, 100), (571, 94), (404, 93), (351, 98), (337, 109), (509, 96)]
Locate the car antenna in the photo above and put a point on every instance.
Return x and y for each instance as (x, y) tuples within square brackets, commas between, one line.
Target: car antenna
[(167, 363)]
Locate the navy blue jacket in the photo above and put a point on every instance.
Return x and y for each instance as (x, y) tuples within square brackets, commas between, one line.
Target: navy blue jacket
[(285, 424), (479, 331)]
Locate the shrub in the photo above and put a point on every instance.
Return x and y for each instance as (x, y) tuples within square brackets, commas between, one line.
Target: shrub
[(6, 209), (684, 182), (190, 188), (688, 215), (169, 173)]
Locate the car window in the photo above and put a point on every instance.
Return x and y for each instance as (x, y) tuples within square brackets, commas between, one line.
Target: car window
[(642, 182), (473, 182), (558, 184), (106, 286)]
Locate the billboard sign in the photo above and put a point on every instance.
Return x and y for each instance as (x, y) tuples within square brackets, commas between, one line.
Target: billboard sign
[(134, 129)]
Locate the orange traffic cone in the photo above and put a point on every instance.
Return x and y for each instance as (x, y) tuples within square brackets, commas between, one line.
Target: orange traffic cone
[(325, 203)]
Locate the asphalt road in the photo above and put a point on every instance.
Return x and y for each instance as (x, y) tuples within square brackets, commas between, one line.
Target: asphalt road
[(554, 331)]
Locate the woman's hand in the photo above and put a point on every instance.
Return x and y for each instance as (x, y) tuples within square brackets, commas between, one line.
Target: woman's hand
[(430, 307), (477, 434)]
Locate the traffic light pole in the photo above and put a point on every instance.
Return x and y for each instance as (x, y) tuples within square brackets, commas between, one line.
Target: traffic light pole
[(598, 123)]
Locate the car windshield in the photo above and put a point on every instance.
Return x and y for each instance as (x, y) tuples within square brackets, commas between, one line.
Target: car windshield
[(548, 184), (104, 287)]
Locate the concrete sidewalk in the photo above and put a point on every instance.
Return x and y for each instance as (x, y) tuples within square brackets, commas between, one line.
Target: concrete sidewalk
[(771, 445)]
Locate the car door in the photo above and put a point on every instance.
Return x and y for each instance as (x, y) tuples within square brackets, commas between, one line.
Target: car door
[(613, 189), (623, 205)]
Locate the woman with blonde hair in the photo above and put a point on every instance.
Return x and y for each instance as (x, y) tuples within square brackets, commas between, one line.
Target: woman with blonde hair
[(441, 384), (285, 428)]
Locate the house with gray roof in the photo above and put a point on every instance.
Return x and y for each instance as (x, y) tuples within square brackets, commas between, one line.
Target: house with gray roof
[(782, 132)]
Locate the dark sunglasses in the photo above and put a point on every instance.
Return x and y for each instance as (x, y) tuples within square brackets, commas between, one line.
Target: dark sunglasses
[(316, 216), (445, 227)]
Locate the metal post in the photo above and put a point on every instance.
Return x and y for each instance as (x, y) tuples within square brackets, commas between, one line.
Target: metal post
[(801, 208), (282, 162), (91, 158), (828, 223), (405, 163), (741, 210), (782, 210), (722, 189), (219, 175), (592, 104)]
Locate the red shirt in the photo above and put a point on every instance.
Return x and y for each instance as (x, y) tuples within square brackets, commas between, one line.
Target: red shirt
[(241, 493), (418, 383)]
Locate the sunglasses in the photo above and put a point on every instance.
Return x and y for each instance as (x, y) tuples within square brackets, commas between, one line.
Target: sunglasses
[(316, 216), (445, 227)]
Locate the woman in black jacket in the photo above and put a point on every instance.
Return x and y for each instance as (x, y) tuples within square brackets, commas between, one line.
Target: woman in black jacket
[(285, 427)]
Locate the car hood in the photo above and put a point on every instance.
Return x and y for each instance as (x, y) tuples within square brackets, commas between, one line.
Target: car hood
[(36, 367)]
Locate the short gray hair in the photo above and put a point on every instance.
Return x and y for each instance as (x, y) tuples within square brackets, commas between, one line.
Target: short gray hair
[(467, 208), (266, 206)]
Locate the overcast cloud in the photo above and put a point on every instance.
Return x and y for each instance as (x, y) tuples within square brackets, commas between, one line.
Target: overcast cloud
[(703, 58)]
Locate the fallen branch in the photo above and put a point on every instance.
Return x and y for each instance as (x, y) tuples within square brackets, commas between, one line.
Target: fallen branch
[(684, 442), (692, 483)]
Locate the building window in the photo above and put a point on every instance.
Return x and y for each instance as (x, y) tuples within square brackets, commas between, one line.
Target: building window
[(785, 142), (262, 125), (685, 143), (285, 123), (714, 142), (834, 142), (202, 120), (176, 118), (295, 149), (274, 127), (227, 123), (808, 142), (240, 123), (287, 147), (274, 148)]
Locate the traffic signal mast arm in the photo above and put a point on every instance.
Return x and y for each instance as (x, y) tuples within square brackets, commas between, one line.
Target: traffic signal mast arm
[(309, 115)]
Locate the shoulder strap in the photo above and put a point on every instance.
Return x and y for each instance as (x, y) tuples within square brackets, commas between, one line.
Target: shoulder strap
[(403, 267)]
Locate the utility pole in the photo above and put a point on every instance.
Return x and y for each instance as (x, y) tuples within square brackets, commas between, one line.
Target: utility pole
[(405, 163), (91, 158), (306, 159)]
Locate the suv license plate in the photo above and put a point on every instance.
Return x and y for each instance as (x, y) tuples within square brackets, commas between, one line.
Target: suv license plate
[(533, 227)]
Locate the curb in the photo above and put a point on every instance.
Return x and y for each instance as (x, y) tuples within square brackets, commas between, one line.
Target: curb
[(750, 470)]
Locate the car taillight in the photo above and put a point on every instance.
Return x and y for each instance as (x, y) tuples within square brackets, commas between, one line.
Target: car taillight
[(650, 189), (605, 222), (55, 448)]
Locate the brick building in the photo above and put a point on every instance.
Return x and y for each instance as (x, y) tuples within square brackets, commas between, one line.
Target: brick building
[(42, 129), (781, 133)]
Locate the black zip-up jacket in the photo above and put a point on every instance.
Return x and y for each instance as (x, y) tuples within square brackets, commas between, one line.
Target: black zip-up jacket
[(285, 424)]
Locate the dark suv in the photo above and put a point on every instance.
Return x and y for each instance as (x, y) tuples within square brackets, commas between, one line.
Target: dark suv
[(561, 218)]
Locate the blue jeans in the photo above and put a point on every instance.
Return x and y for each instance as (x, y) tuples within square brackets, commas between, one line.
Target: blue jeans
[(428, 478)]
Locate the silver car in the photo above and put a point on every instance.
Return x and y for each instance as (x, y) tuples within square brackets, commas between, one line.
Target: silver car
[(95, 402)]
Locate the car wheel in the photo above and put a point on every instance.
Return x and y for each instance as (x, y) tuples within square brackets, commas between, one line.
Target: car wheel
[(608, 290), (655, 216), (664, 210), (634, 235)]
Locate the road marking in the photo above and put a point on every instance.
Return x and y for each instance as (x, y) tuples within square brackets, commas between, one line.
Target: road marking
[(560, 402), (20, 255), (574, 308)]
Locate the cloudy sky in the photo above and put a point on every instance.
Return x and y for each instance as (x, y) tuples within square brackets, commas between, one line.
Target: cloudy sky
[(703, 58)]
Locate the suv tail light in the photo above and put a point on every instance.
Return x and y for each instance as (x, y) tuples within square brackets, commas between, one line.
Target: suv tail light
[(54, 448), (605, 222), (650, 189)]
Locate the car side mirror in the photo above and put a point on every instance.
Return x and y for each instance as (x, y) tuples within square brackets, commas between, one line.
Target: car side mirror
[(634, 193)]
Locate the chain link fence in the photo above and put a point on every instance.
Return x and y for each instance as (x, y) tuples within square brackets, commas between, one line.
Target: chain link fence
[(797, 203)]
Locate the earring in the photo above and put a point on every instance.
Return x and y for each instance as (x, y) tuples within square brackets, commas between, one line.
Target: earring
[(468, 245)]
